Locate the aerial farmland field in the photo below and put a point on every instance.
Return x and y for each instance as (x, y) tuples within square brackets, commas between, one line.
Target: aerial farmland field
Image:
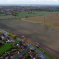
[(51, 20), (43, 34)]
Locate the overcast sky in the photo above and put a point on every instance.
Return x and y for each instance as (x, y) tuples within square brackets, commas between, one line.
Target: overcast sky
[(29, 1)]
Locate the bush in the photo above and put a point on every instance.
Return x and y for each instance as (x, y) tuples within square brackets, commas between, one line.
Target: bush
[(1, 44), (14, 36), (24, 39), (10, 34), (0, 38), (27, 56), (26, 16)]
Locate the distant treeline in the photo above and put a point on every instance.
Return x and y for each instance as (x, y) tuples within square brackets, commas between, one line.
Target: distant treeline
[(49, 10)]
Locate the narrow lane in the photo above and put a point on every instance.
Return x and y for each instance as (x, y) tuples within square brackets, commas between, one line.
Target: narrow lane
[(19, 55)]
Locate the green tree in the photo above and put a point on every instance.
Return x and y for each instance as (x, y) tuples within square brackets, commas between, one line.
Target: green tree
[(0, 38), (15, 14), (14, 36)]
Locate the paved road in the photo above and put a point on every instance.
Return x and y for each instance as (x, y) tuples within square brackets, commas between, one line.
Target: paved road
[(19, 55), (52, 52), (38, 51)]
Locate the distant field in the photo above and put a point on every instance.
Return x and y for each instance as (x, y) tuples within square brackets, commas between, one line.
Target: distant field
[(29, 13), (34, 13), (51, 20), (7, 17)]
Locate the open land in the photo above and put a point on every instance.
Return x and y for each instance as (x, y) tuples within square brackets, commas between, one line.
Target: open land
[(33, 13), (42, 34), (51, 20)]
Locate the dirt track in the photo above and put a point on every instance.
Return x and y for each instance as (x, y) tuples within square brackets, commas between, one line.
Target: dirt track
[(47, 49)]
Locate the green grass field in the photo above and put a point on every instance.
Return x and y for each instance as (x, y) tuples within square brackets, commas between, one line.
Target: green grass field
[(8, 17), (6, 47), (25, 13)]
